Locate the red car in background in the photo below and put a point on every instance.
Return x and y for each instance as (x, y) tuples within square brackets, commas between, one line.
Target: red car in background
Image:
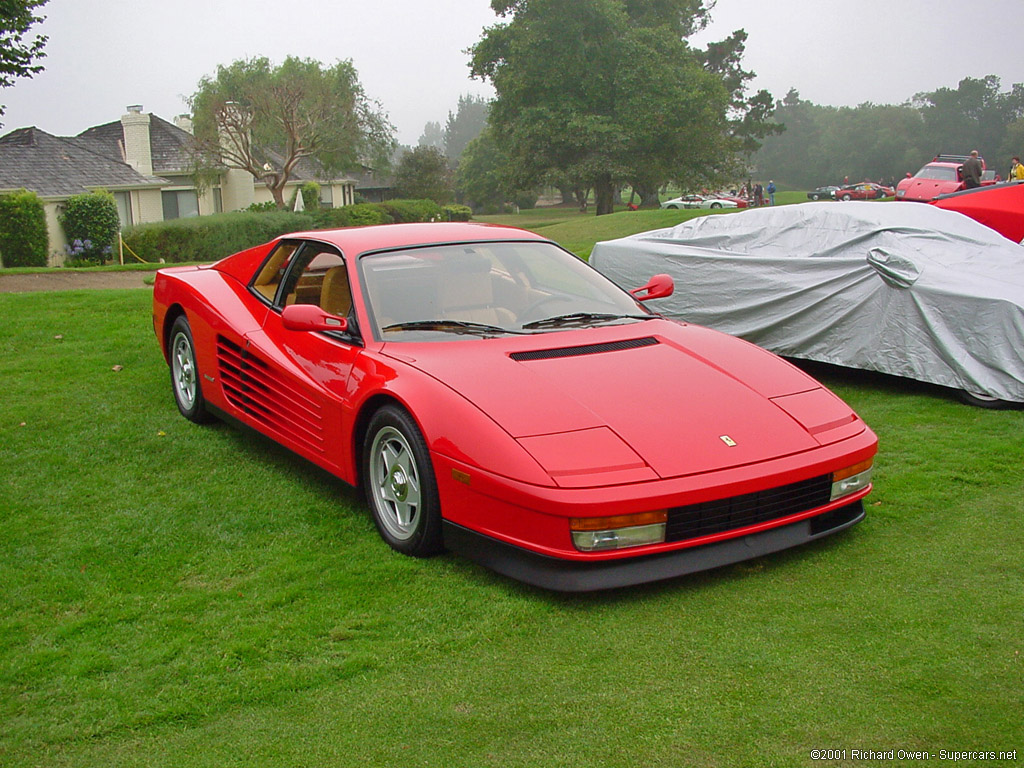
[(866, 190), (497, 396), (939, 177)]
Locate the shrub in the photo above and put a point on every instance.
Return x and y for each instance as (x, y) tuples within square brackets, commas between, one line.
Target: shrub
[(526, 199), (267, 207), (356, 215), (91, 225), (458, 212), (24, 241), (413, 210)]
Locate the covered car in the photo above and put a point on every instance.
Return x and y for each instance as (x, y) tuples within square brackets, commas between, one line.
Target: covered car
[(497, 396), (912, 291)]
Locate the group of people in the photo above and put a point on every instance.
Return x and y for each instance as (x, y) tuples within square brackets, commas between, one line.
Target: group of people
[(756, 193)]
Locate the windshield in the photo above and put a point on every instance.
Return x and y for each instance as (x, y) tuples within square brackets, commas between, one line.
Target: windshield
[(488, 289), (937, 172)]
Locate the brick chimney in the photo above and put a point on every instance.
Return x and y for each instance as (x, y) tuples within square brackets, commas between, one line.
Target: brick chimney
[(138, 151)]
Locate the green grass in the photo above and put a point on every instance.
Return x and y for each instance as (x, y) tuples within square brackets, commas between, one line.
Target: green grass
[(177, 595)]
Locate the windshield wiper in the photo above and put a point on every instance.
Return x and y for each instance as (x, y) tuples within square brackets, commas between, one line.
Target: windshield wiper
[(449, 326), (583, 318)]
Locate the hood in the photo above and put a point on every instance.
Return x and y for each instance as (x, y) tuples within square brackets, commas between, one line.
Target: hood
[(647, 400)]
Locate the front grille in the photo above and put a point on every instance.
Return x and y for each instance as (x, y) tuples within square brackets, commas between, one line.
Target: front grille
[(729, 514), (585, 349)]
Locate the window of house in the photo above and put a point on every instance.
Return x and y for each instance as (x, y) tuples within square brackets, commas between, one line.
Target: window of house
[(180, 204), (124, 208)]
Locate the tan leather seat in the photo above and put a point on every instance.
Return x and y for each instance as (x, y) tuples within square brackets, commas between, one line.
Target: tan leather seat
[(468, 294), (335, 296)]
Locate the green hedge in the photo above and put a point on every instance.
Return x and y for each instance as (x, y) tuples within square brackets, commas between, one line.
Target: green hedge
[(24, 241), (208, 238)]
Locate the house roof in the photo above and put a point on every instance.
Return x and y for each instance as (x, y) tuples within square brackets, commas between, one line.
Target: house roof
[(168, 144), (52, 166)]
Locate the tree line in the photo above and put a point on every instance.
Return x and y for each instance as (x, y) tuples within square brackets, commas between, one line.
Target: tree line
[(823, 145)]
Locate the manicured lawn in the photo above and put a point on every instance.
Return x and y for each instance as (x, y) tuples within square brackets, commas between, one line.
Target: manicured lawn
[(177, 595)]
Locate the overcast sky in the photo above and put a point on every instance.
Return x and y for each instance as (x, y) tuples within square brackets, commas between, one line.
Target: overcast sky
[(410, 54)]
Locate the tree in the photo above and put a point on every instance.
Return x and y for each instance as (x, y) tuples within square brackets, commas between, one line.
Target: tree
[(974, 116), (466, 124), (264, 119), (18, 56), (481, 176), (423, 174), (432, 135), (597, 92)]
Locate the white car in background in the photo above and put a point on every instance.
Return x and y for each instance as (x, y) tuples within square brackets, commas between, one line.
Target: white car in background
[(699, 201)]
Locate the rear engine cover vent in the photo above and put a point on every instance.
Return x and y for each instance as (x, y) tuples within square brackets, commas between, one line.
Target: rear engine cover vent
[(585, 349)]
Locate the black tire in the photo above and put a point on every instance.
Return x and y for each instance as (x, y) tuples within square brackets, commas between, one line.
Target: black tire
[(814, 196), (985, 401), (186, 382), (400, 485), (716, 205), (846, 198)]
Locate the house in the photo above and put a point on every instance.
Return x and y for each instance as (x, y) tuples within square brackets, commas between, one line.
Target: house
[(144, 161)]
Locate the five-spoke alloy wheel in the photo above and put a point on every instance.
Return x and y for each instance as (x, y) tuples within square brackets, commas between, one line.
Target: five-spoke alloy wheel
[(400, 484)]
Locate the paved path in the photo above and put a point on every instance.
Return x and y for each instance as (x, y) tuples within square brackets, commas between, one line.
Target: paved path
[(70, 281)]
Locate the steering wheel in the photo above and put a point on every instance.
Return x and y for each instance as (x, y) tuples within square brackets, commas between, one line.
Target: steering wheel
[(527, 314)]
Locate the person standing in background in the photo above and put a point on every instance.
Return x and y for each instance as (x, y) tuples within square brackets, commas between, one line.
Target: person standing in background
[(1016, 170), (971, 171)]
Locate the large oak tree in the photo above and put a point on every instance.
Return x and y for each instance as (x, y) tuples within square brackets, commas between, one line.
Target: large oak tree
[(264, 119), (601, 92)]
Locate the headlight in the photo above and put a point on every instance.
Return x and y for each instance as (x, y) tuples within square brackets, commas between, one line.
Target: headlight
[(591, 534), (851, 479)]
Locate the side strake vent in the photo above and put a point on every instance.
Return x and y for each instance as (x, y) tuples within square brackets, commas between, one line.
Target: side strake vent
[(255, 388), (585, 349)]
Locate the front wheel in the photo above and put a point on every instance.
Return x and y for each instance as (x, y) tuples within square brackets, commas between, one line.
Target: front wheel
[(814, 196), (846, 198), (188, 393), (400, 485), (716, 205)]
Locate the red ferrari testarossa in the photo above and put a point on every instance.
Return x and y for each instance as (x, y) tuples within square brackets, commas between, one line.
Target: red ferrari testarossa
[(497, 396)]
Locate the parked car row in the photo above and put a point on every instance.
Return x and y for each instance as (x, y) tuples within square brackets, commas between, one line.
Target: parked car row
[(865, 190)]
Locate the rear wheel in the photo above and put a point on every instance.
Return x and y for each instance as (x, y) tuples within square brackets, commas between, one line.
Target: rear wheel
[(846, 198), (188, 393), (987, 401), (716, 205), (400, 484)]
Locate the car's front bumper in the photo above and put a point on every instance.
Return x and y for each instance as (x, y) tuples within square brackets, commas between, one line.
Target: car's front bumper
[(585, 576)]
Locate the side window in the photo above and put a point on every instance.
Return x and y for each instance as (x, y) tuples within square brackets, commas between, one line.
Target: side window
[(269, 277), (317, 276)]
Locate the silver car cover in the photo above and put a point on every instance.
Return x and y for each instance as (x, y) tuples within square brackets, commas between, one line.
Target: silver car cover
[(901, 288)]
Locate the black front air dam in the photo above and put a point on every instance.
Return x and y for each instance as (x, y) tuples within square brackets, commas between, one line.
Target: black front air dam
[(574, 576)]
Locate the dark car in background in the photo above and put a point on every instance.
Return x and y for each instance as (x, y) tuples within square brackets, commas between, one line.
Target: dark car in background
[(823, 193)]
